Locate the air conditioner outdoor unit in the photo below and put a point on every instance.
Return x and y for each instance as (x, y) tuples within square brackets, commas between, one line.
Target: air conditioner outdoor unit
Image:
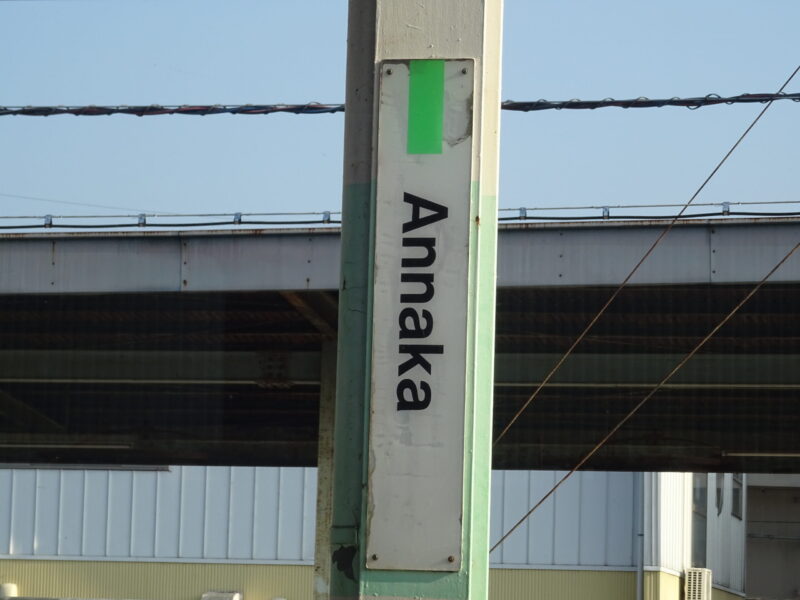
[(698, 584)]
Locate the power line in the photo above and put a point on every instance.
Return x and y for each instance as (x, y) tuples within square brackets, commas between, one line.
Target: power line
[(583, 334), (315, 108), (312, 108), (40, 199), (636, 267), (642, 102), (650, 394)]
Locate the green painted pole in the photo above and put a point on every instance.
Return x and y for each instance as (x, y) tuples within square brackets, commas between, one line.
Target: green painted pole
[(407, 61)]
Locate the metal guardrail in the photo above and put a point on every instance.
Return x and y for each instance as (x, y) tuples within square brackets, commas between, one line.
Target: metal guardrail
[(236, 220)]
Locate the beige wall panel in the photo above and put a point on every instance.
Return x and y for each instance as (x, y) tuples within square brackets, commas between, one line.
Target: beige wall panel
[(662, 586), (155, 581), (665, 586), (723, 595), (187, 581), (525, 584)]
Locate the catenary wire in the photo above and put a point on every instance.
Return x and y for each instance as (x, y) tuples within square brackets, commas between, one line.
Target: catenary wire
[(316, 108), (636, 267), (642, 102), (311, 108), (40, 199), (649, 395)]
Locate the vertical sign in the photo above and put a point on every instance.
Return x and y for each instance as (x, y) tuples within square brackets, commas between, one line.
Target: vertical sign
[(416, 436)]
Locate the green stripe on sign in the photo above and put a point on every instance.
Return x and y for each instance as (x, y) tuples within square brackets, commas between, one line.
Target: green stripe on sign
[(425, 106)]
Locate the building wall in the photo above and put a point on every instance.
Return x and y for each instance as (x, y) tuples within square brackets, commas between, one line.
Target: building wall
[(187, 513), (667, 521), (718, 594), (267, 514), (726, 535), (155, 581), (180, 532), (673, 523), (526, 584), (668, 526), (588, 522), (188, 581), (773, 545), (659, 585)]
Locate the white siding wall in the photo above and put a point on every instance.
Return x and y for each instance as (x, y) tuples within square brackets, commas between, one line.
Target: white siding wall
[(588, 522), (726, 536), (268, 515), (652, 550), (674, 520), (668, 527), (187, 513)]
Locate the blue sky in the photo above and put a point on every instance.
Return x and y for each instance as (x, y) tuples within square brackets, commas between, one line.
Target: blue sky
[(79, 52)]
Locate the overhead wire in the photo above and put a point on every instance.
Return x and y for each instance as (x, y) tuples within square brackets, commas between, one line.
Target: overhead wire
[(680, 364), (71, 203), (642, 102), (647, 397), (310, 108), (636, 267), (316, 108)]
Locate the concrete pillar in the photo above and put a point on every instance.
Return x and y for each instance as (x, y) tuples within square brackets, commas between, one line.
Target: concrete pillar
[(412, 436)]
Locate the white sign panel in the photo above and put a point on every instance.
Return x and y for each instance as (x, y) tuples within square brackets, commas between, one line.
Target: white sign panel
[(416, 439)]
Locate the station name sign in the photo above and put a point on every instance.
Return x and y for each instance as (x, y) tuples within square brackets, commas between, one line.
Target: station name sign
[(416, 438)]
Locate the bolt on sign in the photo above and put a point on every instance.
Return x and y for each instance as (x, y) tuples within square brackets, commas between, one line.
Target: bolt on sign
[(416, 439)]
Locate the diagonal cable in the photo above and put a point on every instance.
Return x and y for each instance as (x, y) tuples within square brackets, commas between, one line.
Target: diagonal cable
[(633, 271), (652, 392)]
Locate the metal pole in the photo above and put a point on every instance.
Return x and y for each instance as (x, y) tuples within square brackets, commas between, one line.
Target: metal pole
[(412, 435)]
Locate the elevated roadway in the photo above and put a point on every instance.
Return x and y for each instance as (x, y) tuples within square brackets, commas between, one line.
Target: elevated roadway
[(204, 347)]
